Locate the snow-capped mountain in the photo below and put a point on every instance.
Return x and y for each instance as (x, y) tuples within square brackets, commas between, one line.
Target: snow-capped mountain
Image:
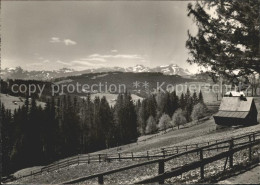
[(19, 73), (171, 69), (138, 69)]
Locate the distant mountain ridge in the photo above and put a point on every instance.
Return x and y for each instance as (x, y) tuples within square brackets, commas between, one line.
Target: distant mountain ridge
[(19, 73)]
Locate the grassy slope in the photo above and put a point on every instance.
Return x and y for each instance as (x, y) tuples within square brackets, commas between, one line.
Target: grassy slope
[(250, 177), (195, 134)]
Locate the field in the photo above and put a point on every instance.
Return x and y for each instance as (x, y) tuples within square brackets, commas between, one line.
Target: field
[(12, 102), (111, 98)]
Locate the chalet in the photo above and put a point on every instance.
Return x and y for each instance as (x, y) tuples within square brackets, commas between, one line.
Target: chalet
[(236, 111)]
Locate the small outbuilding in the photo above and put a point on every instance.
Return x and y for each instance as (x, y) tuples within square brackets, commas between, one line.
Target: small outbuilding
[(236, 111)]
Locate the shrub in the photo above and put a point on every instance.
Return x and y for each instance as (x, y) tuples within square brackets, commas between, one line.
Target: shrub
[(178, 118), (198, 112), (164, 122)]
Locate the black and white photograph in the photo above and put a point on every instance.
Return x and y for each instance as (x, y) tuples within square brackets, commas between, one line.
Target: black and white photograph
[(130, 92)]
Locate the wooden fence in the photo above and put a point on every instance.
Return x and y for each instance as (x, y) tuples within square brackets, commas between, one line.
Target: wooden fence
[(232, 145), (148, 155)]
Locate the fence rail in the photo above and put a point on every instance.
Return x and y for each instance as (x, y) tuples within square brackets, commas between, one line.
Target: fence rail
[(164, 153), (162, 175), (199, 164)]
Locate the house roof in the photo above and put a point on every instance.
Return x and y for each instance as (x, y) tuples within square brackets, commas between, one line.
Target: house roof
[(234, 93), (235, 104), (231, 114)]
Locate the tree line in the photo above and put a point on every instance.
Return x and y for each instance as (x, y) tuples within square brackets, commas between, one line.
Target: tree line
[(68, 125), (34, 135), (165, 110)]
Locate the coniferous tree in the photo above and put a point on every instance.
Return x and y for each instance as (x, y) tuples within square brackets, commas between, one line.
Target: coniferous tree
[(106, 123), (201, 99), (195, 99), (228, 41), (188, 108), (182, 102), (174, 101), (125, 118), (151, 126), (141, 118), (6, 138)]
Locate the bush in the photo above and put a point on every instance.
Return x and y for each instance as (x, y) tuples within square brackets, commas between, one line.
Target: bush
[(150, 126), (178, 118), (198, 111), (164, 122)]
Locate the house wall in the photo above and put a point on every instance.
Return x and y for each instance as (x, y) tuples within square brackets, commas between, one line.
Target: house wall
[(230, 121)]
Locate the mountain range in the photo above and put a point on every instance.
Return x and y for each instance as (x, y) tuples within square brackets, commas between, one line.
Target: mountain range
[(19, 73)]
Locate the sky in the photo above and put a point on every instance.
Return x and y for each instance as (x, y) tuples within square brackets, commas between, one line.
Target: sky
[(50, 35)]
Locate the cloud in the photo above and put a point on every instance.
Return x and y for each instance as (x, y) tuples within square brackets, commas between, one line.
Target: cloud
[(124, 56), (55, 40), (95, 59), (98, 60), (69, 42), (87, 63), (114, 51), (63, 63)]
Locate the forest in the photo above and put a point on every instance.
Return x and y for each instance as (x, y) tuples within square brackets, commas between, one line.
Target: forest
[(68, 125)]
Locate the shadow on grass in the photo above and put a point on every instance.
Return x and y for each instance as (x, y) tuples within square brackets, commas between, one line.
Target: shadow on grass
[(235, 171)]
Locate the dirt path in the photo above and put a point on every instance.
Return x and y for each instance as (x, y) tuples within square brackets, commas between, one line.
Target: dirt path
[(250, 177)]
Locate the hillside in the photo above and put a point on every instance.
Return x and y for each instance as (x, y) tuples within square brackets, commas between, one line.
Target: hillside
[(169, 139), (13, 102), (190, 134), (140, 84), (19, 73)]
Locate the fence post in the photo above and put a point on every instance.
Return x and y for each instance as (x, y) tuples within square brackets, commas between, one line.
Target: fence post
[(217, 145), (100, 179), (147, 154), (88, 158), (197, 150), (231, 154), (78, 159), (119, 157), (202, 165), (161, 171), (132, 156), (163, 152), (99, 158), (254, 137), (250, 149)]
